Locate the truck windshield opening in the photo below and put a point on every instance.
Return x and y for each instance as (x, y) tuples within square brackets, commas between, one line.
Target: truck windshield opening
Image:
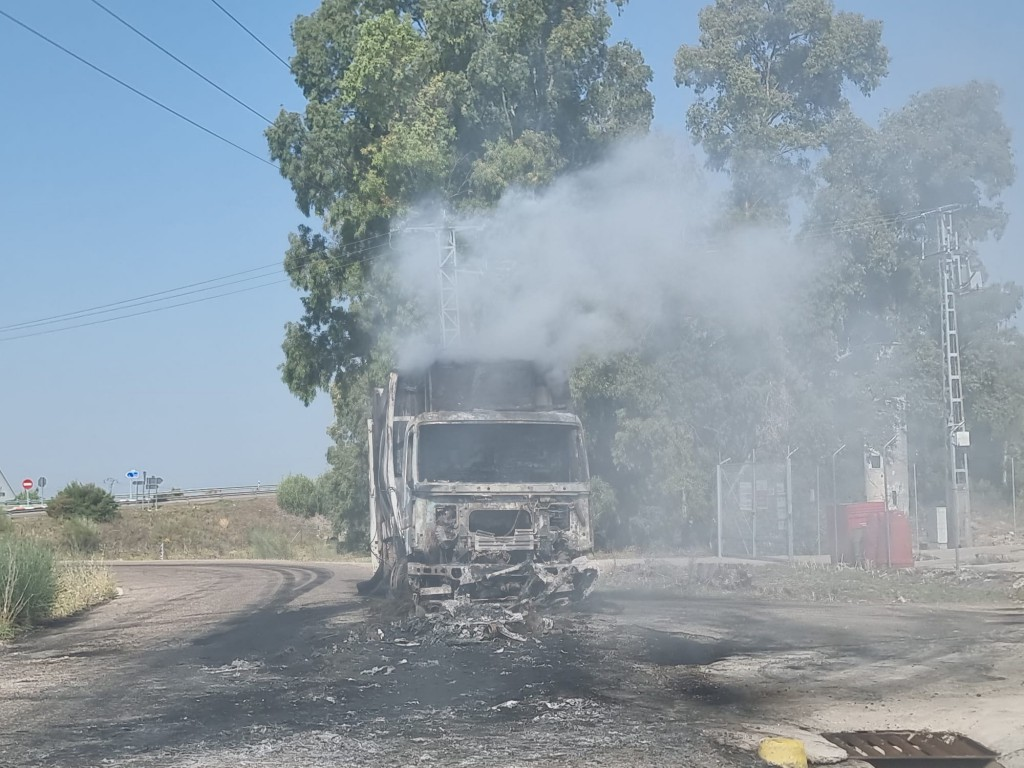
[(499, 453)]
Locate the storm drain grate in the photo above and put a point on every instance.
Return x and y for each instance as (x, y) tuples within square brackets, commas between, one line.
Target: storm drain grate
[(889, 749)]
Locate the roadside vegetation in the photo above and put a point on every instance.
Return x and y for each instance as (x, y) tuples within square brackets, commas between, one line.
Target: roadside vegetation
[(85, 501), (804, 582), (255, 528), (37, 585)]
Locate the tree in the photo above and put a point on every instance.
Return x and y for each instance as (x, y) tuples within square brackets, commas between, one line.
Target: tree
[(947, 146), (298, 495), (769, 78), (84, 500), (416, 101)]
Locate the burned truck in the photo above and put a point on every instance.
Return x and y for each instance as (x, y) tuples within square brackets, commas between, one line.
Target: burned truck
[(479, 486)]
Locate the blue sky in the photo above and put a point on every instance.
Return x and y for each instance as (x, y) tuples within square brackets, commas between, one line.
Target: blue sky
[(105, 197)]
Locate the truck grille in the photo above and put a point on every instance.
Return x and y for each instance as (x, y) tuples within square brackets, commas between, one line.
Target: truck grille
[(523, 540), (500, 522)]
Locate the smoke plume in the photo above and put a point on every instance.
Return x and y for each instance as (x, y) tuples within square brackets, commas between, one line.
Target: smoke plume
[(598, 259)]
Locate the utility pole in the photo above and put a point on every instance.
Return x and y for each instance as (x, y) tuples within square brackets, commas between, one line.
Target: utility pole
[(753, 488), (789, 501), (817, 500), (718, 497), (1013, 495), (885, 509), (835, 504), (952, 274)]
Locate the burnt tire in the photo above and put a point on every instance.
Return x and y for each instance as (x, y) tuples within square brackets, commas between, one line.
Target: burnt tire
[(398, 580)]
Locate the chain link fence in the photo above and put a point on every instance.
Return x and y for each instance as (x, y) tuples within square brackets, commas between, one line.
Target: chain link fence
[(773, 508)]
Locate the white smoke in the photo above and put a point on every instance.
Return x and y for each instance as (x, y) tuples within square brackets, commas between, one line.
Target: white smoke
[(598, 259)]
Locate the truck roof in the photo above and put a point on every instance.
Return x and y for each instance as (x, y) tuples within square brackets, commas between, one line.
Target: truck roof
[(516, 417)]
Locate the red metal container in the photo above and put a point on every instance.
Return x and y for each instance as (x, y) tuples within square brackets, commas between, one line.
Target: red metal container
[(898, 550), (862, 538)]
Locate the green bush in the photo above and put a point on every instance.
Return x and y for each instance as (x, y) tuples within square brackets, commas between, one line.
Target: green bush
[(269, 545), (6, 524), (80, 536), (28, 582), (299, 495), (84, 500)]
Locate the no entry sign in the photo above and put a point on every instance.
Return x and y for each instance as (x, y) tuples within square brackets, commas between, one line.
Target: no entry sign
[(27, 484)]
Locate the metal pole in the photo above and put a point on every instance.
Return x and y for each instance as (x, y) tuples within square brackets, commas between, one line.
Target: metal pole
[(917, 514), (817, 501), (888, 516), (789, 500), (718, 483), (835, 505), (1013, 491), (718, 498), (753, 519)]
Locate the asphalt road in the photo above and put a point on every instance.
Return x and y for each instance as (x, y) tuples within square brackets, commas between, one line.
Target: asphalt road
[(264, 664)]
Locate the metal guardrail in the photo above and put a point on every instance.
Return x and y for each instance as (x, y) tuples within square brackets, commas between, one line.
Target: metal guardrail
[(162, 497), (196, 494)]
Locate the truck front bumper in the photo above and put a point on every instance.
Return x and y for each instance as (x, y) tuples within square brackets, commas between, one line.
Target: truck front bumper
[(489, 581)]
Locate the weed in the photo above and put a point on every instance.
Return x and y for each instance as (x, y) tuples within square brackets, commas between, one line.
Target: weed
[(80, 536), (28, 582), (81, 586), (269, 545)]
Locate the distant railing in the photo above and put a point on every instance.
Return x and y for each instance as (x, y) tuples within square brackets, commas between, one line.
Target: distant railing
[(196, 494), (161, 497)]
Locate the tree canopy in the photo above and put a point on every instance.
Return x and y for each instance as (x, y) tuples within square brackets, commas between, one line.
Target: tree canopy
[(769, 78), (451, 101)]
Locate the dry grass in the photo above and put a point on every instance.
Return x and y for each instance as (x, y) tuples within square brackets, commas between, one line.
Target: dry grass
[(813, 583), (232, 528), (81, 586)]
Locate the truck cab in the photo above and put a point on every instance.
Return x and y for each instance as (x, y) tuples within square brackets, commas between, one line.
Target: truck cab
[(480, 484)]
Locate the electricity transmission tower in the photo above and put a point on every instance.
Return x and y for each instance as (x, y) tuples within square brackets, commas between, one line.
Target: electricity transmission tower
[(448, 263), (952, 266)]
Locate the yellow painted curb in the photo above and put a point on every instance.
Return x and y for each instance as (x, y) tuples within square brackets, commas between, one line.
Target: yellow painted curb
[(784, 753)]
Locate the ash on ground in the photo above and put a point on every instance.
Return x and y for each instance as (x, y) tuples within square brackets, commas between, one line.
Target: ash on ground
[(461, 621)]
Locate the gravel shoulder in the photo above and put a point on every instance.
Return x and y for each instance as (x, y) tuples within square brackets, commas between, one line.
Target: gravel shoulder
[(280, 664)]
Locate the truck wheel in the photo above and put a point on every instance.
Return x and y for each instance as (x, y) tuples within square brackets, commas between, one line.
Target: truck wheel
[(399, 582)]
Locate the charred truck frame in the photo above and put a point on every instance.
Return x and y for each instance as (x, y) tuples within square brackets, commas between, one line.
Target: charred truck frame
[(479, 485)]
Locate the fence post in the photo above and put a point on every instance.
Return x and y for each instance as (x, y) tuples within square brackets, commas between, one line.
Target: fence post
[(789, 500), (753, 497), (817, 500), (718, 504)]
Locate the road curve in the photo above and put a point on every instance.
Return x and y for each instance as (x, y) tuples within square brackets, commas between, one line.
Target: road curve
[(122, 678), (260, 664)]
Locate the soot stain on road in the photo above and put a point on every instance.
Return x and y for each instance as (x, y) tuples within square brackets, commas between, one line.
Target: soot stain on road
[(276, 673), (312, 675)]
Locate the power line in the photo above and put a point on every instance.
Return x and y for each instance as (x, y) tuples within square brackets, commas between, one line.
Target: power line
[(91, 310), (144, 312), (195, 72), (181, 289), (179, 292), (252, 35), (185, 290), (134, 90), (131, 305)]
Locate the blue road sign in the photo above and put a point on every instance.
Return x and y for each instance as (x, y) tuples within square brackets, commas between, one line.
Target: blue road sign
[(131, 474)]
